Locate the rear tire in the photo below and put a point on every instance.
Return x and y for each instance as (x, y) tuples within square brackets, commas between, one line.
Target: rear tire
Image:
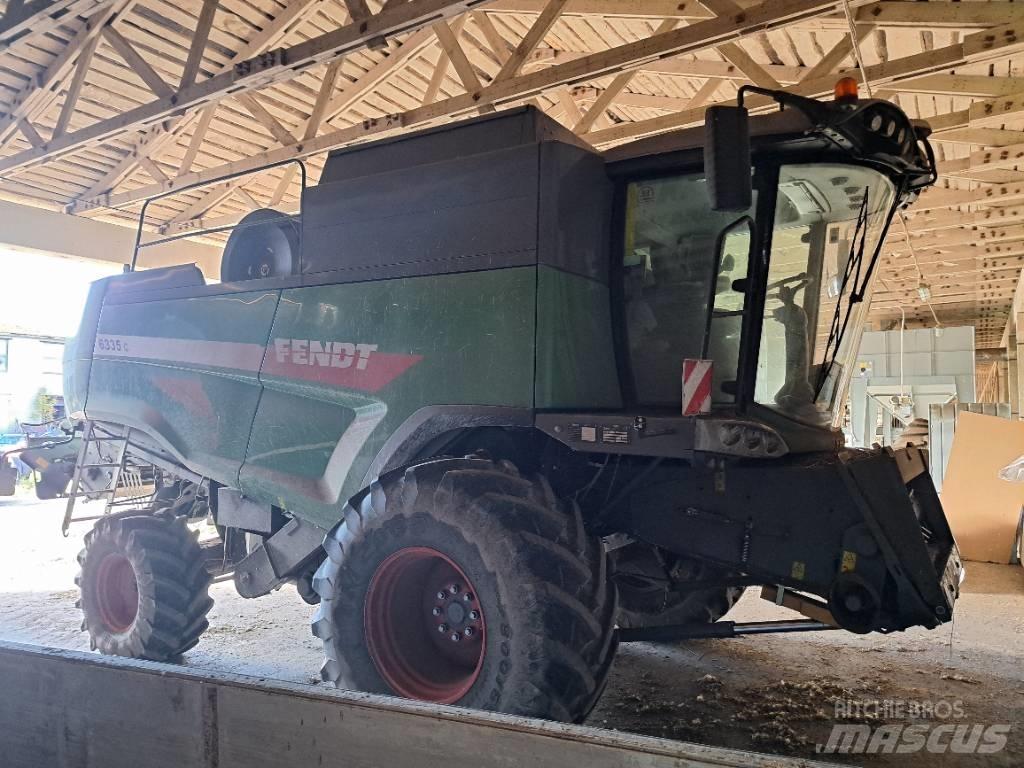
[(646, 577), (528, 581), (144, 587)]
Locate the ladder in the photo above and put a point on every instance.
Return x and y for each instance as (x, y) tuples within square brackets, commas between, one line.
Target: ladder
[(94, 436)]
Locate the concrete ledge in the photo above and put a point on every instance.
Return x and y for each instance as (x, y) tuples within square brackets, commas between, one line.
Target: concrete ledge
[(69, 709), (23, 227)]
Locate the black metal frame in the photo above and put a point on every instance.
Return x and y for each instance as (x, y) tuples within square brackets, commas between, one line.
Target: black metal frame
[(139, 245), (718, 629)]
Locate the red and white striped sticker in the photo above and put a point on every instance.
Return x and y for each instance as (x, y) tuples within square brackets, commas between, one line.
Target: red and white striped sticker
[(696, 386)]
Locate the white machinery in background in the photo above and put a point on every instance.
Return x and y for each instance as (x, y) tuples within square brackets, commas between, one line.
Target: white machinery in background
[(900, 374)]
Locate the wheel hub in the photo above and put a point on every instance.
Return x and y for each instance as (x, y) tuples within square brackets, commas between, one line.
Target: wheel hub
[(116, 592), (424, 626)]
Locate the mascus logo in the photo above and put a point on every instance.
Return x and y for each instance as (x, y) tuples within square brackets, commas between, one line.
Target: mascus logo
[(326, 354)]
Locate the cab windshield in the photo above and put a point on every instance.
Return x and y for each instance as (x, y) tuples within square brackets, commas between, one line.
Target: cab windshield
[(685, 285), (827, 225)]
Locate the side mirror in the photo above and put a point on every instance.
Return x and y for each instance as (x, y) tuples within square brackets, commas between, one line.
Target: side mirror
[(727, 158)]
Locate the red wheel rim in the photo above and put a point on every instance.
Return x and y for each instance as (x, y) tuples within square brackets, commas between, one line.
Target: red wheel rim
[(116, 592), (424, 626)]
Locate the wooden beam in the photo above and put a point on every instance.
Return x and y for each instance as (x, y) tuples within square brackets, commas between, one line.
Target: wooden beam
[(589, 93), (701, 36), (499, 46), (42, 91), (152, 140), (534, 35), (986, 137), (614, 88), (979, 86), (689, 68), (918, 16), (264, 118), (944, 15), (316, 119), (141, 147), (414, 45), (30, 133), (837, 54), (734, 53), (450, 45), (642, 9), (198, 46), (138, 64), (75, 89), (281, 65), (569, 106), (198, 136), (357, 10), (981, 46), (153, 170), (207, 200), (36, 17)]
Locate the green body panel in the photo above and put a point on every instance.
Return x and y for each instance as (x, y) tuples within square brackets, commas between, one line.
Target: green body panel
[(186, 371), (456, 339), (576, 365)]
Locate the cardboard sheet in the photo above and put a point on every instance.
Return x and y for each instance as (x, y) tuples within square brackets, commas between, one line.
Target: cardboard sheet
[(983, 509)]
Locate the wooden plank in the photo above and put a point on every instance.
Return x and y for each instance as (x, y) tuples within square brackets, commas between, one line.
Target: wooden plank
[(284, 64), (986, 137), (450, 45), (138, 64), (52, 701), (198, 136), (199, 39), (264, 118), (42, 91), (698, 37), (37, 16), (357, 10), (153, 139), (540, 27), (75, 89), (414, 45), (500, 47), (981, 46), (614, 88)]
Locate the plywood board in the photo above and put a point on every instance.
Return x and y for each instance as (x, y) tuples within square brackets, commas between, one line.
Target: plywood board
[(983, 509)]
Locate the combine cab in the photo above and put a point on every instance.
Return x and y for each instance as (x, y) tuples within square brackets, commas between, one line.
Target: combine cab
[(497, 401)]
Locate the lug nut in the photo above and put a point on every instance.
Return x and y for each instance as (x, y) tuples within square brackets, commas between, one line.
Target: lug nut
[(454, 589), (455, 637), (442, 595), (468, 631), (474, 615), (436, 611), (442, 628), (468, 597)]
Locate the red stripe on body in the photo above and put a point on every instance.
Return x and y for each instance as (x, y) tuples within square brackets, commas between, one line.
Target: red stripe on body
[(381, 369)]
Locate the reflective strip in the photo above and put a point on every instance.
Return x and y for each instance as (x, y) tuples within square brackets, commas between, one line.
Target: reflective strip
[(696, 386), (219, 354)]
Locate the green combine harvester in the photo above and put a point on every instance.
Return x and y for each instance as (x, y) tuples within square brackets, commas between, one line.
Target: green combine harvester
[(496, 402)]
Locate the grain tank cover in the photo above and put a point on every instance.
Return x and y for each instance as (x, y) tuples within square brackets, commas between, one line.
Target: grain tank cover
[(505, 190)]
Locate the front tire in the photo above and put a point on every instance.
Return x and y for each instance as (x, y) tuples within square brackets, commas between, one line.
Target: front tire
[(144, 587), (462, 582)]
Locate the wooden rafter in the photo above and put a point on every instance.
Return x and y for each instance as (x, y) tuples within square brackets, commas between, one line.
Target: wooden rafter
[(278, 66)]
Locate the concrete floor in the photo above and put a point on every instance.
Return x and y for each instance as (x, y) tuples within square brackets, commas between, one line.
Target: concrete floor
[(770, 693)]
